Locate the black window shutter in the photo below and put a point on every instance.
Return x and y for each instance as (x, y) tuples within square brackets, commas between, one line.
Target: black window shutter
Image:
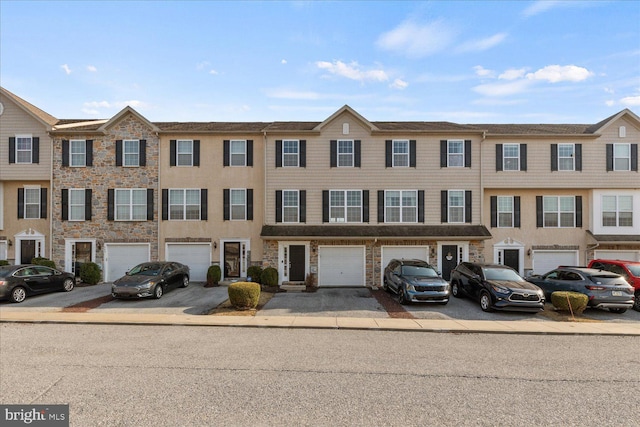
[(35, 154), (380, 206), (150, 204), (278, 153), (43, 203), (225, 152), (634, 157), (467, 153), (204, 204), (609, 157), (412, 153), (494, 210), (539, 212), (165, 204), (499, 158), (110, 204), (303, 205), (467, 207), (173, 150), (119, 152), (365, 205), (143, 153), (12, 149), (420, 205), (554, 157), (249, 204), (357, 153), (516, 211), (325, 205), (303, 153), (225, 204), (443, 154), (278, 205), (65, 152), (250, 152), (89, 152), (523, 157), (444, 206), (578, 157), (334, 153), (65, 204), (579, 211), (196, 152), (388, 153), (20, 203), (88, 198)]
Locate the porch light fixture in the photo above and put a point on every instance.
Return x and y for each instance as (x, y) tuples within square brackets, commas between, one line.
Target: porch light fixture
[(215, 245), (9, 242)]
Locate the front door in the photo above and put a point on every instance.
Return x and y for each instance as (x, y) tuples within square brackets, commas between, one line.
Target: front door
[(27, 251), (296, 263), (231, 259), (81, 254), (449, 260), (512, 258)]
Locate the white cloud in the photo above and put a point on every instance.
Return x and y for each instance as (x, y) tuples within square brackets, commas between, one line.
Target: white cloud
[(512, 74), (483, 72), (66, 69), (417, 40), (92, 68), (610, 103), (482, 44), (631, 101), (284, 61), (213, 72), (95, 106), (352, 71), (540, 6), (609, 90), (503, 89), (399, 84), (559, 73), (202, 65)]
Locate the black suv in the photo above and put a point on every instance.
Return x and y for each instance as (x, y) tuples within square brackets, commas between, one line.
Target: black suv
[(415, 280), (496, 287)]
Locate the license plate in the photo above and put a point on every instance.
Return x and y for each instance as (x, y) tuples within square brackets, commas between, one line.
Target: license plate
[(616, 293)]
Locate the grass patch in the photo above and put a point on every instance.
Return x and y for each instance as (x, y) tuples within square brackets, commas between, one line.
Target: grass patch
[(226, 309)]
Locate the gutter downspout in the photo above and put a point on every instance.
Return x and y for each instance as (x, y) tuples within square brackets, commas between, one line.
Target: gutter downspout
[(51, 202), (374, 285), (484, 136), (159, 194), (264, 193)]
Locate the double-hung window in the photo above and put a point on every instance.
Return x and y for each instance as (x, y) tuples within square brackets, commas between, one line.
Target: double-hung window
[(290, 153), (24, 147), (511, 157), (131, 152), (184, 204), (184, 152), (455, 153), (131, 204), (238, 204), (566, 157), (77, 206), (77, 153), (345, 153), (559, 211), (31, 203), (345, 206), (401, 153), (238, 152), (617, 211), (505, 211), (290, 206), (401, 206), (456, 206), (621, 157)]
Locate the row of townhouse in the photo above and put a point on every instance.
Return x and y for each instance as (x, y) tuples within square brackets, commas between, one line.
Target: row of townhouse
[(337, 198)]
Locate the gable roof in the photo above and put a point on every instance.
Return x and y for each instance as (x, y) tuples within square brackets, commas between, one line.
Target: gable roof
[(127, 110), (602, 125), (346, 109), (43, 117)]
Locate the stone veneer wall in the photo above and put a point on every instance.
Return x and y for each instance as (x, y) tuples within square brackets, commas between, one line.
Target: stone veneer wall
[(104, 175)]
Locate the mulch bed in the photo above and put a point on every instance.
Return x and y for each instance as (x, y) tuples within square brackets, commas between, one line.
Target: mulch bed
[(393, 307), (84, 306)]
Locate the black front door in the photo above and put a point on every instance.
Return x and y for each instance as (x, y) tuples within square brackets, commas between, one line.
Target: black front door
[(296, 263), (449, 260), (232, 259), (82, 255), (27, 251), (512, 258)]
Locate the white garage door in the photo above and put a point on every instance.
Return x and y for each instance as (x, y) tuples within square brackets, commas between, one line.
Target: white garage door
[(121, 257), (341, 266), (544, 261), (398, 252), (196, 256), (625, 255)]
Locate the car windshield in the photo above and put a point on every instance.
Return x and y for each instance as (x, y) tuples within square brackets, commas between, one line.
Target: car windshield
[(145, 270), (501, 274), (634, 269), (415, 270)]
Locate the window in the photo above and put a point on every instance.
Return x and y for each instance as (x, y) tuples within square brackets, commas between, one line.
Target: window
[(238, 152), (24, 147), (401, 153), (290, 153), (238, 204), (131, 204), (184, 152), (290, 206), (77, 204), (131, 153), (505, 211), (78, 153), (184, 204), (345, 153), (621, 157), (345, 206), (401, 206), (455, 153), (617, 211), (559, 211), (566, 156), (511, 157), (456, 206), (31, 203)]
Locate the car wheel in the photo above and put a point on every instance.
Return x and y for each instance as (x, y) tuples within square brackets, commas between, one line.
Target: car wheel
[(185, 281), (385, 287), (455, 290), (68, 285), (18, 294), (485, 301), (402, 297), (636, 303), (158, 291), (617, 310)]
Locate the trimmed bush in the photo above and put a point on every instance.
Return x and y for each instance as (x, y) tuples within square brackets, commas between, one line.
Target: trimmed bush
[(214, 274), (255, 272), (562, 299), (269, 276), (4, 262), (244, 295), (90, 273), (43, 261)]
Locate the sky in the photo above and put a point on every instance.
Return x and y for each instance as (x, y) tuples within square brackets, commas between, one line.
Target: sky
[(458, 61)]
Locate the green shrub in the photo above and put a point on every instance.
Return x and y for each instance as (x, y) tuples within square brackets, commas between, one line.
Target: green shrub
[(4, 262), (269, 276), (244, 295), (214, 274), (255, 272), (562, 299), (90, 273), (43, 261)]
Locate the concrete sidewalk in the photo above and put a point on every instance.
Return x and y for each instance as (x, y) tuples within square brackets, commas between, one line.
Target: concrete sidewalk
[(382, 324)]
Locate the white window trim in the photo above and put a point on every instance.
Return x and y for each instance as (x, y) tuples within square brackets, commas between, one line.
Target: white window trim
[(284, 217), (32, 187), (231, 205), (185, 204), (130, 204), (125, 153), (352, 153), (24, 136), (84, 153), (628, 158), (345, 207), (558, 212), (449, 206), (572, 157), (83, 204), (511, 212), (394, 154), (617, 211), (505, 157), (449, 153), (231, 153), (297, 154), (178, 153), (402, 207)]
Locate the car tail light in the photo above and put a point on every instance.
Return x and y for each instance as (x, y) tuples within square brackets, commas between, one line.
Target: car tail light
[(3, 282), (595, 288)]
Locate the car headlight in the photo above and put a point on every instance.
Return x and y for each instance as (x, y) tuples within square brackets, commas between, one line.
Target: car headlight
[(147, 285), (500, 289), (411, 288)]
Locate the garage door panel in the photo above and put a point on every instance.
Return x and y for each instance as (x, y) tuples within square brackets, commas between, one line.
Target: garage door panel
[(341, 266), (197, 257), (549, 260), (621, 255), (121, 258)]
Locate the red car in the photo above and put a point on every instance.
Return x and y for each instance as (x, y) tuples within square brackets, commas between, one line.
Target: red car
[(630, 270)]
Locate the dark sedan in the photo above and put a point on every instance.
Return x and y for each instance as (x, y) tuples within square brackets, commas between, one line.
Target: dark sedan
[(496, 287), (151, 279), (415, 281), (19, 281)]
